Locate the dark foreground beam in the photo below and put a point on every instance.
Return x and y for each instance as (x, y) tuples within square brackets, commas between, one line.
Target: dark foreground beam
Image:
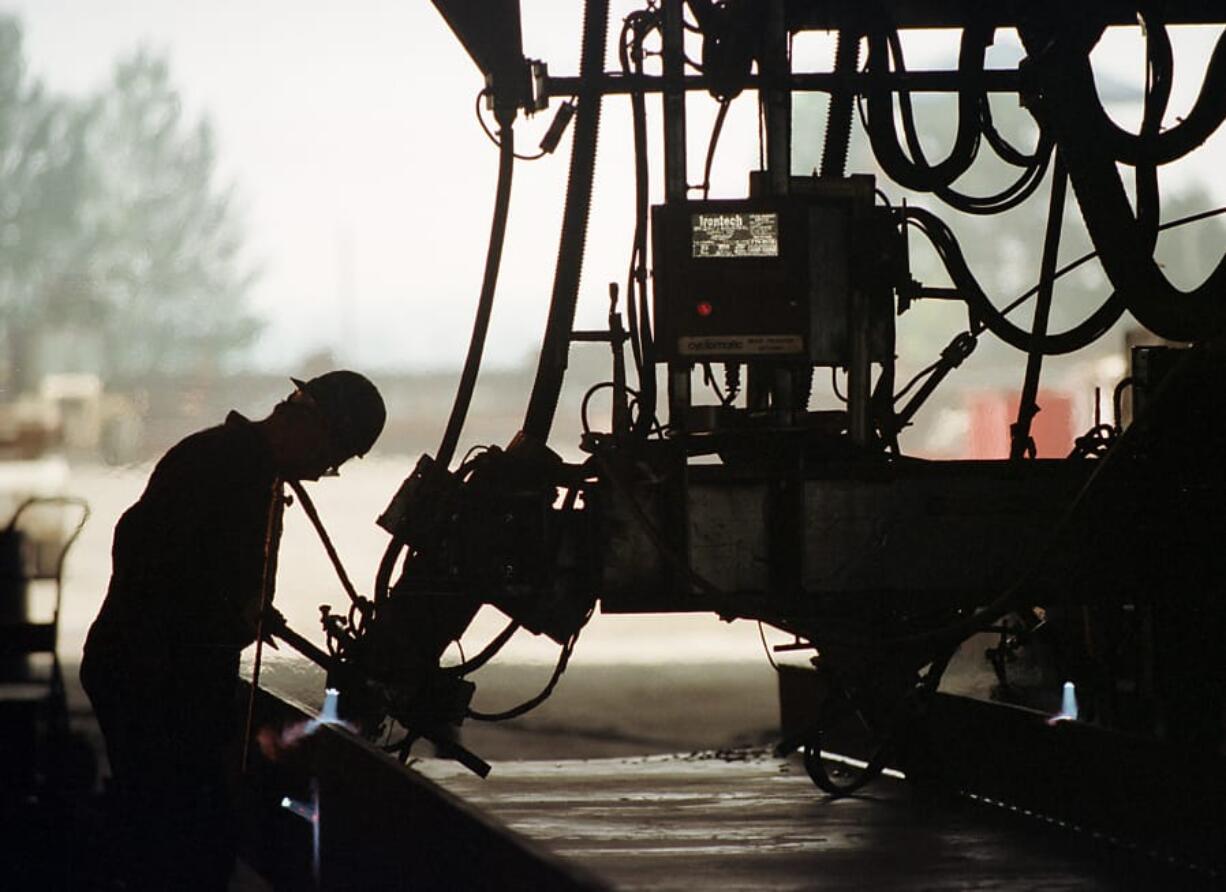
[(1148, 793), (803, 15), (379, 825)]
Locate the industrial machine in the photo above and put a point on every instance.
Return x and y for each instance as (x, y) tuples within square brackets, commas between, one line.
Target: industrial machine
[(749, 503)]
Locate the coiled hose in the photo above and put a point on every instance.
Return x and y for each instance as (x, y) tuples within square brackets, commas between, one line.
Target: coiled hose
[(1069, 103), (916, 173), (543, 403), (984, 313)]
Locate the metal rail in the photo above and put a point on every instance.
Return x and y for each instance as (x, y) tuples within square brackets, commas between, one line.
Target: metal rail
[(814, 15), (999, 80)]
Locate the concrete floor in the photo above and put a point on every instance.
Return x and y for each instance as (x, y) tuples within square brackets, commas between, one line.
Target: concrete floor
[(745, 820), (656, 779)]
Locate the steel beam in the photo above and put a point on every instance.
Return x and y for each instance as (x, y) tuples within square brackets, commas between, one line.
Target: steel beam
[(815, 15), (376, 824)]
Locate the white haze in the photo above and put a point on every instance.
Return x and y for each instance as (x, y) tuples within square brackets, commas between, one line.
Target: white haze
[(367, 185)]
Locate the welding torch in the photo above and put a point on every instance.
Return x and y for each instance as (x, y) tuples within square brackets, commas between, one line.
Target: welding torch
[(275, 624)]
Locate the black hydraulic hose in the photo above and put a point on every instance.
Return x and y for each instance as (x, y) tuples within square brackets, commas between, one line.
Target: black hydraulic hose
[(1010, 196), (838, 116), (387, 564), (551, 368), (915, 173), (962, 345), (1021, 443), (716, 129), (487, 653), (637, 290), (476, 344), (1159, 71), (1067, 98), (489, 283), (638, 115), (985, 314), (532, 703), (528, 705), (1034, 165), (967, 58), (1115, 143), (1001, 146)]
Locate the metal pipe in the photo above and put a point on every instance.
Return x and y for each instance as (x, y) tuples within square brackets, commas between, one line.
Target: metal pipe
[(777, 99), (859, 373), (674, 87), (993, 81), (676, 185)]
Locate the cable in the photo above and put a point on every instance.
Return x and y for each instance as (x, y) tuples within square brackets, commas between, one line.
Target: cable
[(985, 315), (476, 345), (1004, 150), (630, 54), (952, 356), (489, 283), (716, 128), (587, 397), (1067, 69), (493, 138), (1069, 103), (1084, 258), (915, 173), (1021, 443), (834, 384), (1011, 196), (1159, 70), (466, 667), (309, 507), (770, 658), (708, 378), (532, 703)]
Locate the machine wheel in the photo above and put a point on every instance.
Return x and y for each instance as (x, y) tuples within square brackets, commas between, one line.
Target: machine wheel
[(837, 786)]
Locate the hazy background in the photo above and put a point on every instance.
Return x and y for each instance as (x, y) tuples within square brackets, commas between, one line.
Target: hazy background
[(356, 188), (365, 184)]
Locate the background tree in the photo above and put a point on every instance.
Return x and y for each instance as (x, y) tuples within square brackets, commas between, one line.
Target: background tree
[(168, 256), (44, 169), (113, 223)]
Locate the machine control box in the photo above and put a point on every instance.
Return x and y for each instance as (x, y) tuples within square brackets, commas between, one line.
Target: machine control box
[(771, 277)]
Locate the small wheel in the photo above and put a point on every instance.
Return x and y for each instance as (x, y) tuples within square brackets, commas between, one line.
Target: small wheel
[(817, 772)]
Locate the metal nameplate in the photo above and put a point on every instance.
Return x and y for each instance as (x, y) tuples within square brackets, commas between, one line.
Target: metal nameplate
[(740, 345)]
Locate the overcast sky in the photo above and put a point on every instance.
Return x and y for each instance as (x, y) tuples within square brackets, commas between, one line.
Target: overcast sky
[(367, 185)]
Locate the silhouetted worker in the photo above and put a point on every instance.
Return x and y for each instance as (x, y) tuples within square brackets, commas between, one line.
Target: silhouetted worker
[(193, 560)]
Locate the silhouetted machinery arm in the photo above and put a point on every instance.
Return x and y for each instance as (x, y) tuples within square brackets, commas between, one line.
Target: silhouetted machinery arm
[(760, 503)]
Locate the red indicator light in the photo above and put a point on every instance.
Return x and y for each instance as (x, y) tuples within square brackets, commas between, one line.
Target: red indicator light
[(704, 308)]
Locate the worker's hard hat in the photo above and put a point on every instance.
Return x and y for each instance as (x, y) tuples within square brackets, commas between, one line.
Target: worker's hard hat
[(351, 408)]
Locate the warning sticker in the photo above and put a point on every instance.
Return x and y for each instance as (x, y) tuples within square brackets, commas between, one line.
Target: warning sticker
[(739, 345)]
